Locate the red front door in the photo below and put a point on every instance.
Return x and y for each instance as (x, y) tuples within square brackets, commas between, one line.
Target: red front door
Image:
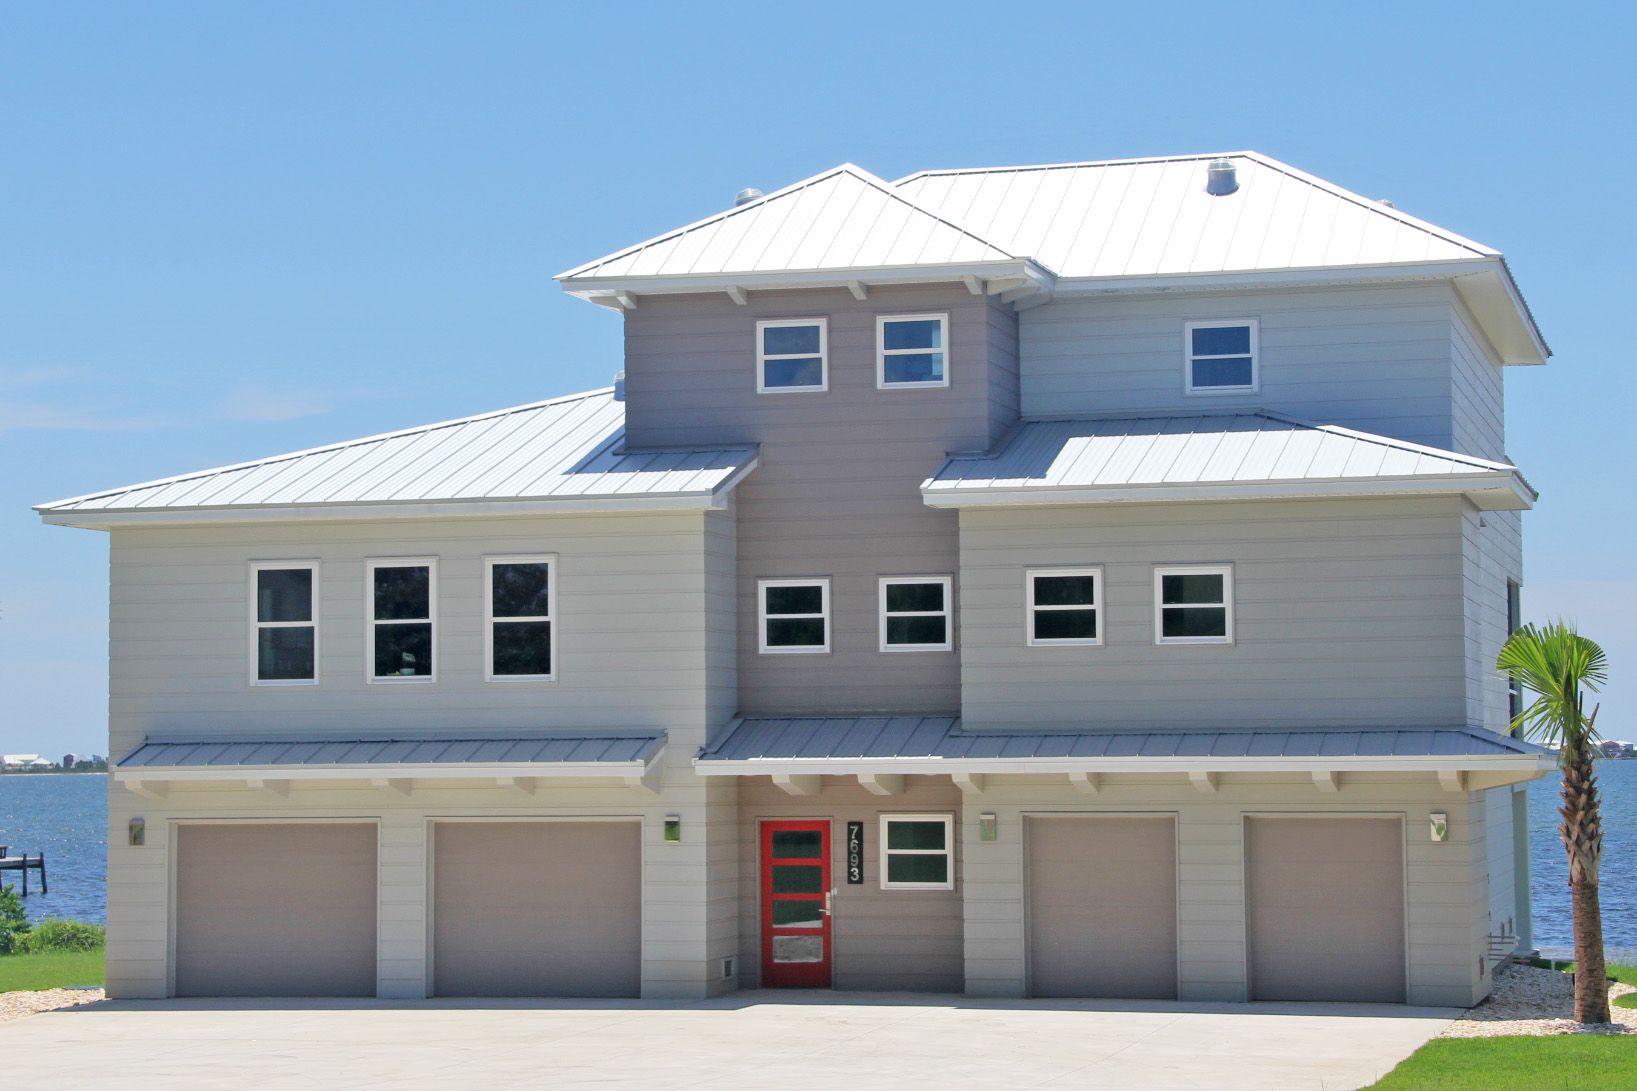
[(796, 905)]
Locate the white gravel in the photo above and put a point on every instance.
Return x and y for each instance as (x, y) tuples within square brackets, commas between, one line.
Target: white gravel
[(15, 1005), (1530, 1000)]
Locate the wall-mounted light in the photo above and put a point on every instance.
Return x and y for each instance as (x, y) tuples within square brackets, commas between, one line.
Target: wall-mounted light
[(1440, 826), (673, 828), (137, 832), (988, 829)]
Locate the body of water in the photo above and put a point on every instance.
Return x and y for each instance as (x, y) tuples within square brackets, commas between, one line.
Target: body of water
[(65, 816)]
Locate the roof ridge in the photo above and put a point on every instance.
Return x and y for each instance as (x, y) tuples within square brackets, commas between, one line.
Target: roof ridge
[(1388, 441), (1019, 168)]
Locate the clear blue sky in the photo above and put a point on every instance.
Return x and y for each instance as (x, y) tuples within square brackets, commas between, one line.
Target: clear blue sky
[(229, 230)]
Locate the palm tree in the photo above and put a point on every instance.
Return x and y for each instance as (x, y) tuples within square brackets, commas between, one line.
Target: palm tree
[(1556, 664)]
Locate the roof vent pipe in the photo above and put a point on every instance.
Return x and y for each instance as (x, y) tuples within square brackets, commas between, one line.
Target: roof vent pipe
[(619, 386), (1221, 178), (746, 195)]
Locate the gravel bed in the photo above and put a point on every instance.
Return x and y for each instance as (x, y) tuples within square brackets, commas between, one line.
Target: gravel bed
[(1530, 1000), (15, 1005)]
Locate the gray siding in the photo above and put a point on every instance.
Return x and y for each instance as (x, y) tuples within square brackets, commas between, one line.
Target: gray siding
[(837, 493), (1477, 389), (1347, 613)]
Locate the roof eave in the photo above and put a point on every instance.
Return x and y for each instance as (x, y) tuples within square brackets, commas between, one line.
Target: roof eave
[(1527, 764), (1013, 276), (1503, 491)]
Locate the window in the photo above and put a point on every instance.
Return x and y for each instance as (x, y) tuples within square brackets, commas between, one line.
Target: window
[(402, 619), (915, 614), (1222, 357), (791, 355), (1514, 621), (521, 602), (795, 616), (912, 350), (1065, 605), (284, 623), (1193, 604), (917, 852)]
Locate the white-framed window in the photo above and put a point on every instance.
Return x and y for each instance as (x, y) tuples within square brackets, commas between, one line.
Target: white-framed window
[(792, 355), (1065, 606), (1193, 604), (793, 615), (917, 852), (1222, 356), (914, 613), (401, 609), (911, 351), (519, 618), (284, 623)]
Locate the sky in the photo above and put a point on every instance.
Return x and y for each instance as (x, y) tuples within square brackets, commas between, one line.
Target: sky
[(231, 230)]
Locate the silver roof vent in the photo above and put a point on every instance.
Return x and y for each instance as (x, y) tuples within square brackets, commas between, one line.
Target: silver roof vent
[(1221, 178), (746, 195)]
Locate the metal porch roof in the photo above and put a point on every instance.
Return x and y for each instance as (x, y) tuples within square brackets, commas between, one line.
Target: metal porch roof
[(367, 753)]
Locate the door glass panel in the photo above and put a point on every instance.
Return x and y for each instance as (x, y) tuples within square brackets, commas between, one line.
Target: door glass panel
[(797, 915), (797, 844), (798, 879), (798, 948)]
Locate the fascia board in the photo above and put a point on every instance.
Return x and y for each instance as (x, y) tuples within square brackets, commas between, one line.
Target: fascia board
[(1515, 763), (1492, 492), (689, 284), (425, 771)]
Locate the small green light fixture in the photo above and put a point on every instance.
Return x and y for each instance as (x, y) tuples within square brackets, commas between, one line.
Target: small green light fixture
[(1440, 826), (673, 828), (137, 832), (988, 829)]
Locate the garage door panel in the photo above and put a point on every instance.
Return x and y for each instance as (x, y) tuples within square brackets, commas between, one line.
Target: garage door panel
[(1102, 907), (276, 909), (537, 909)]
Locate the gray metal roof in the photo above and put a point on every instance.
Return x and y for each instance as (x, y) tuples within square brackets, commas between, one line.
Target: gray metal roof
[(940, 738), (492, 749), (564, 450)]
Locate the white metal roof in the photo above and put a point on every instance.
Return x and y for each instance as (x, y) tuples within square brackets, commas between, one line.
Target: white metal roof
[(1210, 455), (562, 453)]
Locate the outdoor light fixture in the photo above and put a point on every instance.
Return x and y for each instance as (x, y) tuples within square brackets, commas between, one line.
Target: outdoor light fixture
[(138, 832), (1440, 826), (673, 827), (987, 830)]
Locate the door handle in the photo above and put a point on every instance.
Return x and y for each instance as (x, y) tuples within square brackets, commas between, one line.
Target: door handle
[(828, 894)]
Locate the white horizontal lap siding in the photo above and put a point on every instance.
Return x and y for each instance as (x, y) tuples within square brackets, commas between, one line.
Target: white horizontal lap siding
[(1491, 546), (1346, 613), (1376, 359), (1478, 389)]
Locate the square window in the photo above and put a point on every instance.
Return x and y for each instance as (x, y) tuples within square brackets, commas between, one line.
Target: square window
[(912, 350), (1064, 606), (915, 613), (792, 355), (793, 616), (522, 594), (284, 623), (1221, 357), (402, 622), (1193, 604), (917, 852)]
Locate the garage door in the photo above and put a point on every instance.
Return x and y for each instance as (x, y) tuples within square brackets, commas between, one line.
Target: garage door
[(1103, 907), (537, 909), (275, 910), (1325, 901)]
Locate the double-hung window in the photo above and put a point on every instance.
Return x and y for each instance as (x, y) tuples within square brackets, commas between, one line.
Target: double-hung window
[(1514, 621), (284, 623), (912, 350), (520, 603), (792, 355), (915, 614), (917, 852), (1221, 357), (1065, 606), (1193, 604), (794, 615), (402, 620)]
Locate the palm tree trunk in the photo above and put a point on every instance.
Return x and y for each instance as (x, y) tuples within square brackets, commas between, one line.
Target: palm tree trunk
[(1582, 833)]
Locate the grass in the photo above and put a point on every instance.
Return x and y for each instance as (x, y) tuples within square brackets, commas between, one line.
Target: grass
[(1560, 1063), (50, 970)]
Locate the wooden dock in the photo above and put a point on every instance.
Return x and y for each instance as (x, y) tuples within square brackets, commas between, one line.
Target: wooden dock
[(25, 864)]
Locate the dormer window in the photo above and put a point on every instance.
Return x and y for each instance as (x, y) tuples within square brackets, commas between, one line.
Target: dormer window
[(1222, 357), (911, 351), (792, 356)]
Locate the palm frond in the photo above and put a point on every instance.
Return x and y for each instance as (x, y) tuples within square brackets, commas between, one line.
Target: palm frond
[(1556, 664)]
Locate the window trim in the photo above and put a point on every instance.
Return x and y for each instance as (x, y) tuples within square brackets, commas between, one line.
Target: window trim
[(256, 625), (1030, 607), (1188, 357), (821, 582), (762, 358), (948, 851), (489, 619), (370, 565), (947, 613), (1223, 570), (882, 352)]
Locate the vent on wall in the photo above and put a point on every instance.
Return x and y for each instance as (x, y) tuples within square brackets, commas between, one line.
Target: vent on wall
[(727, 967)]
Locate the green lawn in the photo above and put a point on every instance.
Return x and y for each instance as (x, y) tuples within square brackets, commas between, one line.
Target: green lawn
[(1561, 1063), (50, 970)]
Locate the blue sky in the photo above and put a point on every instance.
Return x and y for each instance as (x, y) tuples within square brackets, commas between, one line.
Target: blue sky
[(229, 230)]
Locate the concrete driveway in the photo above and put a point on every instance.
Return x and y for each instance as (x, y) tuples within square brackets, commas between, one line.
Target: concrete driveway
[(749, 1040)]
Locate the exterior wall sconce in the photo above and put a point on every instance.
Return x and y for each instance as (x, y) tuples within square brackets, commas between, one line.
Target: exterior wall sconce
[(1440, 826), (988, 829), (137, 833), (673, 828)]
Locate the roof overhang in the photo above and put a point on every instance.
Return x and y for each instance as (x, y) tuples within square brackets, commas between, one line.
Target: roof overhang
[(1491, 491)]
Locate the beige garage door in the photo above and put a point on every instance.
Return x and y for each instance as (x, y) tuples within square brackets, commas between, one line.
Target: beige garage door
[(275, 910), (1103, 907), (1325, 901), (537, 909)]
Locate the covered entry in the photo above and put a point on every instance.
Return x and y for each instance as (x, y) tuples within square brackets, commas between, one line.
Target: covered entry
[(1324, 901), (1102, 906), (275, 909), (544, 908)]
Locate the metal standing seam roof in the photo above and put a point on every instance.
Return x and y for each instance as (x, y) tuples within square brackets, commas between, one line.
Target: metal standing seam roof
[(364, 753), (559, 450), (940, 738)]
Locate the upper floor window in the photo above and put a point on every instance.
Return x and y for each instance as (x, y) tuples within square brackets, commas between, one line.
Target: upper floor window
[(912, 350), (795, 615), (1064, 606), (1193, 604), (1222, 357), (402, 620), (284, 623), (521, 601), (915, 614), (792, 354)]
